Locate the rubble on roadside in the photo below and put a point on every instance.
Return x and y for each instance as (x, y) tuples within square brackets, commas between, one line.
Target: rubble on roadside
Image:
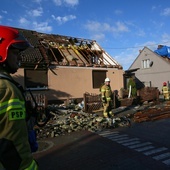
[(72, 118), (153, 113)]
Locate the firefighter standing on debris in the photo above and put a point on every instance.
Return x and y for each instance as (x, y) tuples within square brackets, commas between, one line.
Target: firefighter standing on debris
[(107, 96), (165, 91), (15, 152)]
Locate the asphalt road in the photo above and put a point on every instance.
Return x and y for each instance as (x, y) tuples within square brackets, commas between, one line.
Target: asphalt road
[(143, 146), (155, 131)]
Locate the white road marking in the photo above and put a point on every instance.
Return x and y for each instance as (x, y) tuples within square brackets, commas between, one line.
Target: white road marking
[(134, 143), (162, 156), (155, 151), (139, 145)]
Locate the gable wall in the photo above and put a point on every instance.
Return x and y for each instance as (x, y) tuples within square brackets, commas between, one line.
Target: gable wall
[(157, 74)]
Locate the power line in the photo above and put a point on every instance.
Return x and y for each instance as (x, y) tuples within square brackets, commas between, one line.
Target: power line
[(135, 46)]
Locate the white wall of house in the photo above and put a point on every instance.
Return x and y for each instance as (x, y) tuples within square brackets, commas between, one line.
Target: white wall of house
[(158, 73)]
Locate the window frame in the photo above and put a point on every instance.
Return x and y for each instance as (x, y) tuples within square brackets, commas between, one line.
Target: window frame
[(145, 63), (43, 78)]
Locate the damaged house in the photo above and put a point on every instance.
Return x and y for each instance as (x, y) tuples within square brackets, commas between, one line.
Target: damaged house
[(64, 67), (152, 68)]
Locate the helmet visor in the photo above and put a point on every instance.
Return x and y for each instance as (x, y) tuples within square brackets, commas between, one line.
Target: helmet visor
[(20, 43)]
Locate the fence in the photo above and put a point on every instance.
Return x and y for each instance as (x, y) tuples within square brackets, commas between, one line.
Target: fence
[(40, 99), (148, 94), (92, 102)]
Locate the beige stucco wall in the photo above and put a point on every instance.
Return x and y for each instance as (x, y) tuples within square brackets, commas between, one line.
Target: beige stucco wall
[(73, 82)]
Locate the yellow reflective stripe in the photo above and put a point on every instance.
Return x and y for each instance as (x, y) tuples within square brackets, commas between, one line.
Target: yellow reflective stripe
[(11, 104), (33, 166), (108, 98)]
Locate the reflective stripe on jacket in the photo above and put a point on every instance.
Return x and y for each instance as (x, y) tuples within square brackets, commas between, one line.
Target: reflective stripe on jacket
[(13, 131), (33, 166), (165, 89), (12, 104), (106, 92)]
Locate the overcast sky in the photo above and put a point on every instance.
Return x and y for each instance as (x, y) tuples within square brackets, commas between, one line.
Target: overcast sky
[(120, 27)]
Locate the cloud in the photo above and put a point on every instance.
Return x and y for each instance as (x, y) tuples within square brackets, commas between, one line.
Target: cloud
[(72, 2), (98, 37), (95, 26), (64, 19), (37, 1), (5, 12), (57, 2), (36, 12), (165, 39), (23, 21), (100, 31), (127, 57), (66, 2), (42, 26), (121, 27), (166, 12), (125, 60), (141, 33), (118, 12)]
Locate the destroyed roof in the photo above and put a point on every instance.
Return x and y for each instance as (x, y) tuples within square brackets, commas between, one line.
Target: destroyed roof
[(50, 49)]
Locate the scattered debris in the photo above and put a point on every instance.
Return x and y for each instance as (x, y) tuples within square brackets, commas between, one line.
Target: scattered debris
[(65, 120), (153, 113), (71, 118)]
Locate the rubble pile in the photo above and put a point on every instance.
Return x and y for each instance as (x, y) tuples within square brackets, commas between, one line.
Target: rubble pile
[(153, 113), (72, 118), (68, 120)]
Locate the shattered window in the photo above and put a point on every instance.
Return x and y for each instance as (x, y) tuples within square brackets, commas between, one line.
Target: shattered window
[(36, 79)]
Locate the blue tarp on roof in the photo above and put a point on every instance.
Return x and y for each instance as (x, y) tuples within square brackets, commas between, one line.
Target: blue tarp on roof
[(163, 51)]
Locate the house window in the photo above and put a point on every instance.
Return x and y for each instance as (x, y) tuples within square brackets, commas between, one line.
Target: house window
[(146, 63), (36, 79), (98, 77)]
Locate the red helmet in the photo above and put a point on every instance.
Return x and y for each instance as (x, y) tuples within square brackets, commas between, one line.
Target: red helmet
[(164, 83), (10, 37)]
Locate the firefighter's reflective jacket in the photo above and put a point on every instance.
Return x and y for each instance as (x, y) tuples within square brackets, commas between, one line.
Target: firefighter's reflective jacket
[(106, 93), (15, 151), (165, 91)]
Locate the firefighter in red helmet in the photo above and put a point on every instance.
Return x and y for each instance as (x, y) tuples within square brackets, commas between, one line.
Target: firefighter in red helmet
[(15, 152), (164, 83), (165, 91)]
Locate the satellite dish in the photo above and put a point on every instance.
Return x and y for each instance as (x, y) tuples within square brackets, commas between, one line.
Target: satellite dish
[(151, 63)]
